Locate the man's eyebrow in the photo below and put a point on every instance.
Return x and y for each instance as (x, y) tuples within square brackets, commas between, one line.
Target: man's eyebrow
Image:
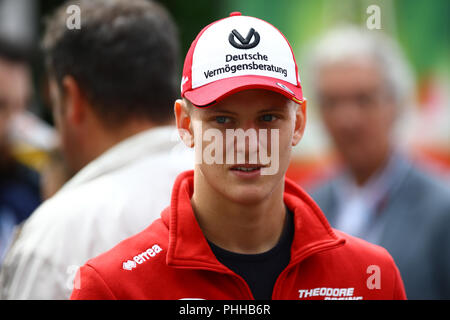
[(274, 108), (218, 110)]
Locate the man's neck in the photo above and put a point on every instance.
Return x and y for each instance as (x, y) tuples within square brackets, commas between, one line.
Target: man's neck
[(363, 174), (247, 229)]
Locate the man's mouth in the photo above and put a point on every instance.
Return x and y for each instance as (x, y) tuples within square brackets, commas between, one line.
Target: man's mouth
[(246, 167)]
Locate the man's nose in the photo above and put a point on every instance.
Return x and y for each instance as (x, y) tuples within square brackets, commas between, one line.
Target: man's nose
[(347, 114), (250, 140)]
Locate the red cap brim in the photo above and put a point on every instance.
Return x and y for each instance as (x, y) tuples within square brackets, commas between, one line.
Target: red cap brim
[(211, 93)]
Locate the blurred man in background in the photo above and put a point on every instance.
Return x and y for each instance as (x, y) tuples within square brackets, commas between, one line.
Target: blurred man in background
[(112, 84), (361, 84), (19, 184)]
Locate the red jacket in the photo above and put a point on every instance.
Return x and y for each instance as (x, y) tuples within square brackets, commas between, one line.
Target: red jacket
[(171, 259)]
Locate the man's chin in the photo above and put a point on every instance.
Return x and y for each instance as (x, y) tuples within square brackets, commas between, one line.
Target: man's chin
[(248, 195)]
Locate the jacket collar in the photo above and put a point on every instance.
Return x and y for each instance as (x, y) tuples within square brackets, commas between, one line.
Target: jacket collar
[(188, 247)]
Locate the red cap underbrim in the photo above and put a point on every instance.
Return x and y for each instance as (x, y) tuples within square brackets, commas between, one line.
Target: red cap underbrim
[(211, 93)]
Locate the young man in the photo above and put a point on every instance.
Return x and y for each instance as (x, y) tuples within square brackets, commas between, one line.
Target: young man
[(236, 228)]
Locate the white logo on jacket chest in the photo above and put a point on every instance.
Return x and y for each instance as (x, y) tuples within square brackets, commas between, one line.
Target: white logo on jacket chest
[(329, 293), (141, 257)]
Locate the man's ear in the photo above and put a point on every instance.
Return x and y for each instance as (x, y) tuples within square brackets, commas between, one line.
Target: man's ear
[(300, 123), (183, 120), (75, 101)]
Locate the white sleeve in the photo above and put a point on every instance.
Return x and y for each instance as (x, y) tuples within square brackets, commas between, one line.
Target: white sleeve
[(28, 276)]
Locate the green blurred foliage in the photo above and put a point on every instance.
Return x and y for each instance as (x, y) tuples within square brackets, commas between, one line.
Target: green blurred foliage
[(424, 32)]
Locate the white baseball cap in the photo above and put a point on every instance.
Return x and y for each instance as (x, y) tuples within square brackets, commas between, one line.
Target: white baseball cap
[(238, 53)]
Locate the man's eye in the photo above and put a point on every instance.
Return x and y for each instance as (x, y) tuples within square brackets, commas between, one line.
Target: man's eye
[(268, 118), (222, 119)]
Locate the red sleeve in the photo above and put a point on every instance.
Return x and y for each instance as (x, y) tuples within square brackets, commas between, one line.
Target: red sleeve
[(89, 285)]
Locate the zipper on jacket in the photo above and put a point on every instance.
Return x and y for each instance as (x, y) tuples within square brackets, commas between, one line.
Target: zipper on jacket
[(245, 289), (294, 263), (244, 283)]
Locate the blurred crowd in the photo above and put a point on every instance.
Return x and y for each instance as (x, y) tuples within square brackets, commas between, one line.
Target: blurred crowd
[(101, 169)]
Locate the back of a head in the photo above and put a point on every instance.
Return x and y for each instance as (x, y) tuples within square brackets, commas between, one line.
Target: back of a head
[(124, 57)]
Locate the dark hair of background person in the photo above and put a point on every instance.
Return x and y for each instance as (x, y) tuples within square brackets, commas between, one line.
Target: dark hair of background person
[(125, 57)]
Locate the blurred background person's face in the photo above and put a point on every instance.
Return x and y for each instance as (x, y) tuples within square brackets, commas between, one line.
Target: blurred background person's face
[(358, 112), (14, 93)]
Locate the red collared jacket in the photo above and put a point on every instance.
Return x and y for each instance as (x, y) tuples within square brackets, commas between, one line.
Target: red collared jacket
[(171, 259)]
